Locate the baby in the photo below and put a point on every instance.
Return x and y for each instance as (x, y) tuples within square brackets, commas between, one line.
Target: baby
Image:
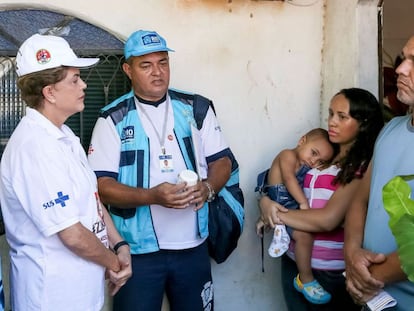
[(284, 185)]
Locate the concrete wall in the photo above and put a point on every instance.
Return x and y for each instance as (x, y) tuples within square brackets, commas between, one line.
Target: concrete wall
[(350, 56), (270, 67)]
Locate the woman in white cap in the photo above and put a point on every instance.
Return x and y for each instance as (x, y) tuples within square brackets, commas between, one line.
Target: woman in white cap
[(59, 233)]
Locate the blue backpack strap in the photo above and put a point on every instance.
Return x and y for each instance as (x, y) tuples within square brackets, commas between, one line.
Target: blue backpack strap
[(262, 189), (261, 185), (200, 108), (200, 104), (226, 212)]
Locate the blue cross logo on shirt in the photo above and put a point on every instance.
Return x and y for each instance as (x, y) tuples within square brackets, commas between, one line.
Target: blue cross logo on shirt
[(61, 199)]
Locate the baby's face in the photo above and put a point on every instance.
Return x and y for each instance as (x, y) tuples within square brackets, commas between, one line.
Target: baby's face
[(316, 152)]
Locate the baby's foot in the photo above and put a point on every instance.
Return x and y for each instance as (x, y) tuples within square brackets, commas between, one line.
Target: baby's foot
[(313, 291)]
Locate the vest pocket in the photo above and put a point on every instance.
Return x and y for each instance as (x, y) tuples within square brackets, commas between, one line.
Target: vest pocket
[(123, 212)]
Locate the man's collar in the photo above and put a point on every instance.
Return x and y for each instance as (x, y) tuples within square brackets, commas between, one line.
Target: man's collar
[(152, 103)]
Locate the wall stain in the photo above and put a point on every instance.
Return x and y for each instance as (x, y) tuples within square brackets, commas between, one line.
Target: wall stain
[(206, 4), (266, 109), (228, 5)]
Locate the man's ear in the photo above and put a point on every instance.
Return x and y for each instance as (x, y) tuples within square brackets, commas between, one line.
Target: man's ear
[(127, 69)]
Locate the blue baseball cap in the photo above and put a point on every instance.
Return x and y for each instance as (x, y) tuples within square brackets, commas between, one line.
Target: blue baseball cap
[(144, 42)]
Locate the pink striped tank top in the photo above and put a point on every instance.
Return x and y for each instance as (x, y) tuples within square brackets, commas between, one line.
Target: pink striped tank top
[(327, 251)]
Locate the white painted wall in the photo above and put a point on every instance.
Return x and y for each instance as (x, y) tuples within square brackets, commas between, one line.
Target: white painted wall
[(350, 57), (261, 62)]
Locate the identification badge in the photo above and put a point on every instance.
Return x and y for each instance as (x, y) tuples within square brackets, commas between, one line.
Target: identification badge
[(166, 163)]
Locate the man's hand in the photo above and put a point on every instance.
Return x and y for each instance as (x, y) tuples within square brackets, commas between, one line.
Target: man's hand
[(180, 195), (171, 195), (359, 281)]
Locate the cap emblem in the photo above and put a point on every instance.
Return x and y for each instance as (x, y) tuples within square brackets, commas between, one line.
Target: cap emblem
[(43, 56), (151, 39)]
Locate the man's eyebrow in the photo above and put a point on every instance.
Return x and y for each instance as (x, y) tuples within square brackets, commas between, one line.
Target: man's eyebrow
[(407, 55)]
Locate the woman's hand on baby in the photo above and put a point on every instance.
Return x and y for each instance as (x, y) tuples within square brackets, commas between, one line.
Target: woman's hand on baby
[(269, 211)]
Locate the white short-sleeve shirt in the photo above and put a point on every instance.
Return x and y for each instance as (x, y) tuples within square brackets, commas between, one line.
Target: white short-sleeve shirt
[(175, 228), (47, 186)]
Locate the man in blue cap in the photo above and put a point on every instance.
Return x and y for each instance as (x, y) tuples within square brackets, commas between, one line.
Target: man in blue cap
[(164, 222)]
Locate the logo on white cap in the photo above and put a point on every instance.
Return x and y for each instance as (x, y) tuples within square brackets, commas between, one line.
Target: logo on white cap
[(41, 52), (43, 56)]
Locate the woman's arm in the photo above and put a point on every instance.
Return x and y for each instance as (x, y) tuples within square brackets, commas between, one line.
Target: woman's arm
[(268, 211), (117, 279), (312, 220), (86, 245)]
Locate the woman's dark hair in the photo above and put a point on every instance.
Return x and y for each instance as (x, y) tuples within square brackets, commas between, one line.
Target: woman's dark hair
[(31, 85), (363, 107)]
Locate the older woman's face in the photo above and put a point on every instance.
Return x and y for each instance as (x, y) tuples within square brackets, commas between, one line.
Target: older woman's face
[(69, 94), (343, 129)]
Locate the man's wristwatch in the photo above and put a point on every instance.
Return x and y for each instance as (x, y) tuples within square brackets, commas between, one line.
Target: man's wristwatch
[(211, 193)]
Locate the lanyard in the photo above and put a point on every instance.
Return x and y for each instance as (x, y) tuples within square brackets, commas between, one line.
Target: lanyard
[(161, 138)]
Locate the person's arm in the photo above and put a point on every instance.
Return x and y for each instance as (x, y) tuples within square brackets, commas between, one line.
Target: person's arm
[(366, 272), (383, 270), (166, 194), (323, 219), (356, 215), (218, 174), (361, 284), (388, 271), (169, 195), (269, 211), (104, 157), (113, 236), (286, 161), (117, 279), (86, 245)]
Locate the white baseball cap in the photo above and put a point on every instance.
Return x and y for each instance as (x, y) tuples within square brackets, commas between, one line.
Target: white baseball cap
[(40, 52)]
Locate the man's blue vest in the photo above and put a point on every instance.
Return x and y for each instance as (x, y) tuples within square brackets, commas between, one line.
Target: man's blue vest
[(135, 224)]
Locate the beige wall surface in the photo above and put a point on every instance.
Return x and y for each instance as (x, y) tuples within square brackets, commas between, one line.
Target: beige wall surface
[(350, 52), (269, 67)]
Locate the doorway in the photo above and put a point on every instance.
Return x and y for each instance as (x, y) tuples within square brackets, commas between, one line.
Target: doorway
[(396, 26)]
